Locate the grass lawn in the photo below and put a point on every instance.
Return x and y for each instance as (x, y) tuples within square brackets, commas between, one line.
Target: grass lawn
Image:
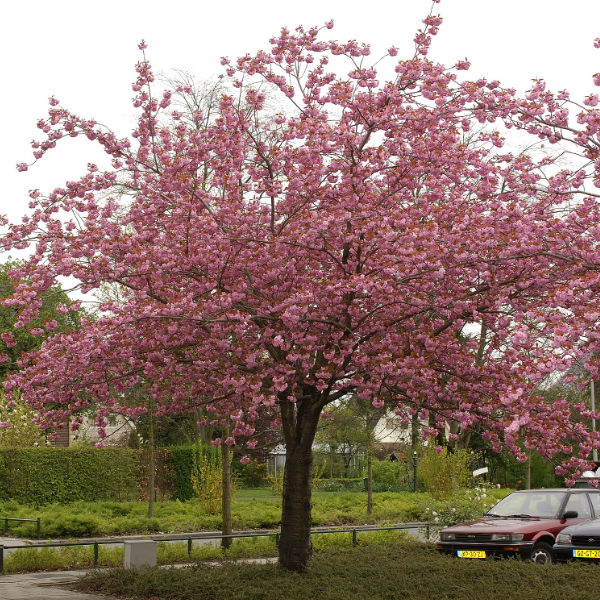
[(169, 553), (252, 509), (401, 570)]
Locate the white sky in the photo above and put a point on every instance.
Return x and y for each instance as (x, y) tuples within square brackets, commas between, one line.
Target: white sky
[(84, 53)]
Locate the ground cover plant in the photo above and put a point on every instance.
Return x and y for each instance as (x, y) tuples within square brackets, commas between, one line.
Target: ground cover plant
[(253, 509), (405, 570)]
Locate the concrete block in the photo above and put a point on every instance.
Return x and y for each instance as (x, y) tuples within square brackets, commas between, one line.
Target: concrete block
[(139, 554)]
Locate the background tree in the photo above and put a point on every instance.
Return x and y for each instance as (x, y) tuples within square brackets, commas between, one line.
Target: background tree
[(53, 315), (349, 430), (342, 248), (343, 435)]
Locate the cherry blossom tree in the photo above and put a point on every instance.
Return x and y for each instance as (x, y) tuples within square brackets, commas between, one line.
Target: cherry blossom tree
[(376, 237)]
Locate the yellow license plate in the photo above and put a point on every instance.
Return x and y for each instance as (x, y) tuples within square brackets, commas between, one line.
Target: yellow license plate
[(586, 553), (471, 553)]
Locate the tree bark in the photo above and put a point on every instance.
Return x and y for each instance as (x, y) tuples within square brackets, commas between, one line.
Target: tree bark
[(369, 476), (227, 528), (414, 432), (151, 481), (299, 421)]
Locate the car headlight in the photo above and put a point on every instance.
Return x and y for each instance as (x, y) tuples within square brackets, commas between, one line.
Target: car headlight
[(447, 537), (563, 538), (507, 537)]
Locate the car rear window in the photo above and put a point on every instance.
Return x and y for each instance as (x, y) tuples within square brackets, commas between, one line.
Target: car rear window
[(595, 498), (529, 504), (579, 503)]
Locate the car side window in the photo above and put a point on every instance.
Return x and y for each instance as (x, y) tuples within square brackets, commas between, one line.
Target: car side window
[(595, 499), (579, 502)]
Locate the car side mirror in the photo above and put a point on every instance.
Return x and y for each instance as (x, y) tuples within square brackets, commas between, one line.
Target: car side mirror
[(485, 512), (570, 514)]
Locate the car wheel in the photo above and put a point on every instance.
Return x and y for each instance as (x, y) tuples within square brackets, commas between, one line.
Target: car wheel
[(542, 554)]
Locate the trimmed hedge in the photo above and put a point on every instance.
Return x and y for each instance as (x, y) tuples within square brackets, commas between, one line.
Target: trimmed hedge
[(45, 475)]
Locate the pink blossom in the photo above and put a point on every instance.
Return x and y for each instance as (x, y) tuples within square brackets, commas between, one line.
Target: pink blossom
[(244, 460), (362, 246)]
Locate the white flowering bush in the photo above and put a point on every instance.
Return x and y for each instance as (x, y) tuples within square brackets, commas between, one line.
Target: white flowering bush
[(465, 505)]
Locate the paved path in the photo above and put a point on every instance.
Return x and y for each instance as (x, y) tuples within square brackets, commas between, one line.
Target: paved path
[(49, 585)]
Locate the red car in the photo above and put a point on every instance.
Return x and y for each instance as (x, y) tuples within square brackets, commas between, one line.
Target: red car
[(523, 524)]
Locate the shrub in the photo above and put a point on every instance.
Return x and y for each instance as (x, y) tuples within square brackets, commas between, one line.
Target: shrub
[(464, 505), (392, 475), (251, 475), (340, 485), (43, 475), (407, 570), (182, 458), (164, 475), (207, 481), (443, 473)]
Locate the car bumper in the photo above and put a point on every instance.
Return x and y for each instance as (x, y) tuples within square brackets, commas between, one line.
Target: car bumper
[(506, 549), (565, 552)]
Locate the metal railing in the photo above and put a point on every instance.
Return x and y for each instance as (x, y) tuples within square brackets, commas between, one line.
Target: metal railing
[(37, 521), (212, 536)]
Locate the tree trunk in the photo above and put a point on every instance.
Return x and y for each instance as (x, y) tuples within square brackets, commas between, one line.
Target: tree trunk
[(369, 476), (331, 459), (528, 472), (150, 462), (414, 432), (226, 495), (299, 421)]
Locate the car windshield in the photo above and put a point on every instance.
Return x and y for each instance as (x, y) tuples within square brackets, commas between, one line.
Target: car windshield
[(529, 504)]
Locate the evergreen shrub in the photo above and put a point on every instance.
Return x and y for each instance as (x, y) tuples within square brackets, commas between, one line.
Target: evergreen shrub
[(182, 459), (44, 475)]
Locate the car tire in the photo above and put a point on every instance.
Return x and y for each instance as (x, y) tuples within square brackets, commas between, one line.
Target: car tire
[(542, 554)]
